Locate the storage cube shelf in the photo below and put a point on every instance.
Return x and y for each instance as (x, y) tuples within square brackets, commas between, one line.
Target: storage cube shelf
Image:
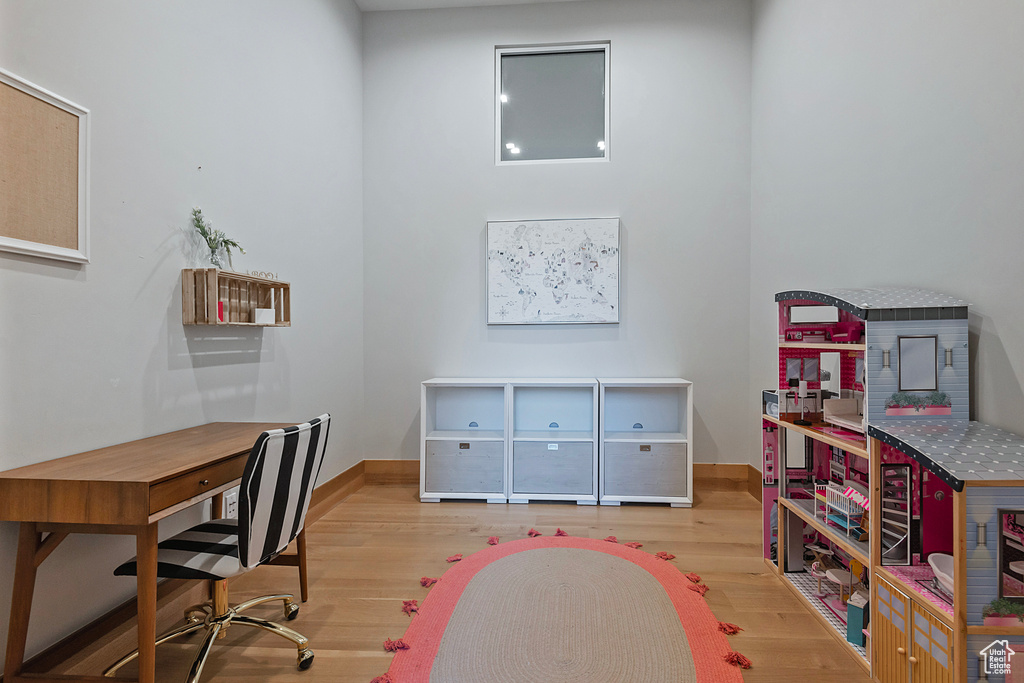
[(463, 450), (518, 440), (645, 446), (206, 290), (554, 440)]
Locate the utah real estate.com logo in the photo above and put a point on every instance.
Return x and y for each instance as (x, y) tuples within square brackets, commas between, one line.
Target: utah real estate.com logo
[(997, 657)]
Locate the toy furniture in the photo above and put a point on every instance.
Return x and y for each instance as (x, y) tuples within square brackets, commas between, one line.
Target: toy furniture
[(844, 412), (945, 494), (844, 579), (575, 439), (273, 498)]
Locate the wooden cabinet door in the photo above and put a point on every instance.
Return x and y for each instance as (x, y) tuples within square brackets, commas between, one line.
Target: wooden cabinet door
[(889, 631), (930, 660)]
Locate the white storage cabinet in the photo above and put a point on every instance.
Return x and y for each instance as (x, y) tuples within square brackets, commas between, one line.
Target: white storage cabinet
[(554, 440), (463, 449), (645, 445)]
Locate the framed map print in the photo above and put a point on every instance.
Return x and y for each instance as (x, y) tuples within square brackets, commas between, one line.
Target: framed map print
[(553, 271)]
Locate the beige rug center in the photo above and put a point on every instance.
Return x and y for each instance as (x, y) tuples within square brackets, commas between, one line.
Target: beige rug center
[(560, 615)]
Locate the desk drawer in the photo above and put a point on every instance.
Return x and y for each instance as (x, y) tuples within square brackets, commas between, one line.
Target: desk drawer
[(195, 483)]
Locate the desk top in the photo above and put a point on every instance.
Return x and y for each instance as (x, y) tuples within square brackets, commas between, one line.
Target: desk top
[(131, 483)]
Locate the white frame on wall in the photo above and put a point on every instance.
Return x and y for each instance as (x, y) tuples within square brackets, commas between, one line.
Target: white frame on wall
[(19, 246), (552, 48), (550, 228)]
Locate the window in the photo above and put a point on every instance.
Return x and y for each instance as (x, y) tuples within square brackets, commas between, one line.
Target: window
[(551, 103), (918, 369)]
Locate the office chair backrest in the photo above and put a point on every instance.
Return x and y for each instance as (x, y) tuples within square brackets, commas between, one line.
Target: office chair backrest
[(276, 486)]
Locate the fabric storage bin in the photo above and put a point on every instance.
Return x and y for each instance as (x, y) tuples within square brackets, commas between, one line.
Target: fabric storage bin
[(553, 467), (465, 467), (639, 469)]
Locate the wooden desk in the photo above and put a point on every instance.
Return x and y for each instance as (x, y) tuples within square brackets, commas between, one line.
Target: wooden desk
[(123, 489)]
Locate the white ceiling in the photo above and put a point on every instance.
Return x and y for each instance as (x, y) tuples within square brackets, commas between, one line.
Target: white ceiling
[(381, 5)]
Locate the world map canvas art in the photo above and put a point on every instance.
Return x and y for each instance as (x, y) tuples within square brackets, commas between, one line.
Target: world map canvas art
[(553, 271)]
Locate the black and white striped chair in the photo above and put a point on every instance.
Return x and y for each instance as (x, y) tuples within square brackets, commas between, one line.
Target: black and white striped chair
[(272, 503)]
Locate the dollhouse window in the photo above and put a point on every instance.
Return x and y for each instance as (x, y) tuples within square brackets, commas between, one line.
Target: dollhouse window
[(918, 363), (552, 103), (811, 369), (794, 368)]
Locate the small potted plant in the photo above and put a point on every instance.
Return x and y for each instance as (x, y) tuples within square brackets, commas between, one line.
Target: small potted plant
[(219, 244), (1003, 612)]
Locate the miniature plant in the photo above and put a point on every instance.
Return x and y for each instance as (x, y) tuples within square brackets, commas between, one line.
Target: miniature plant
[(1002, 607), (905, 399), (939, 398), (216, 240)]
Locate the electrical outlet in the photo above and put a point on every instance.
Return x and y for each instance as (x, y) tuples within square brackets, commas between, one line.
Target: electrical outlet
[(231, 504)]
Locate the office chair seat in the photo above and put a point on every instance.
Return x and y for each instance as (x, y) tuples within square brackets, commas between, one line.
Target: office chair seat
[(273, 499), (206, 551)]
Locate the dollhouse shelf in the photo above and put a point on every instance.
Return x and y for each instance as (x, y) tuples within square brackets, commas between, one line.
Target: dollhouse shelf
[(823, 346), (804, 509), (853, 447), (239, 295), (804, 586)]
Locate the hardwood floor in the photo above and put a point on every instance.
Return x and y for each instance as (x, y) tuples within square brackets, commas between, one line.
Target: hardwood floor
[(369, 553)]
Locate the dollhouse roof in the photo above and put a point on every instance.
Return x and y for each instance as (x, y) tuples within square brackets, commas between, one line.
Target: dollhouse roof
[(957, 451), (893, 303)]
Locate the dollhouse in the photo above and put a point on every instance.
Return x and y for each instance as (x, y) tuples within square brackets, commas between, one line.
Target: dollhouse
[(877, 486)]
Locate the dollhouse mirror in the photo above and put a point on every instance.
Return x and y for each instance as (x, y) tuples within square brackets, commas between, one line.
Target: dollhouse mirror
[(918, 363), (829, 374), (796, 451), (1011, 554)]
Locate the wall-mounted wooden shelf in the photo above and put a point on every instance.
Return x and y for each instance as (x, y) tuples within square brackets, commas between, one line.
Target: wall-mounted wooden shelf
[(240, 295)]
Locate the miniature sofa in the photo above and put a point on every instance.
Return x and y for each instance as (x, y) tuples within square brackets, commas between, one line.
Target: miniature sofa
[(843, 412)]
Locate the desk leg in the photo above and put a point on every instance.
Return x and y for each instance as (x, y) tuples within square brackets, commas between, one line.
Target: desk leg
[(21, 599), (145, 544)]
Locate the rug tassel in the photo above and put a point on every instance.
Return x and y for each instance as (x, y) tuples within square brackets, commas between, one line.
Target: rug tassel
[(533, 533), (395, 645), (634, 545), (698, 588), (737, 659), (410, 606), (612, 539), (728, 629), (559, 532), (454, 558), (493, 540), (662, 555), (693, 577), (427, 582), (386, 678)]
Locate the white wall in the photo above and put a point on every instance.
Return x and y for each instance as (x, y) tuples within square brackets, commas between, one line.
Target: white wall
[(678, 177), (888, 150), (251, 110)]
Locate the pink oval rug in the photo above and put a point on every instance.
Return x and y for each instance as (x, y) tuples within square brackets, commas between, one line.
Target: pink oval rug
[(563, 610)]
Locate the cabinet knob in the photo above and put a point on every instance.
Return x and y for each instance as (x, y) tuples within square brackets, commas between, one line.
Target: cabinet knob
[(913, 660), (901, 651), (204, 482)]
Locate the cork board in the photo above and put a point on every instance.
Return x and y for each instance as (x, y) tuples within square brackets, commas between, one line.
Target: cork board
[(42, 148)]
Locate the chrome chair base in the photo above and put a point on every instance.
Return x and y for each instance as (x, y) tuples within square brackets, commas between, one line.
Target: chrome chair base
[(202, 617)]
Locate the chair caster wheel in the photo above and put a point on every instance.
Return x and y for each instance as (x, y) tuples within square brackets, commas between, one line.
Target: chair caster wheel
[(291, 610), (305, 659)]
